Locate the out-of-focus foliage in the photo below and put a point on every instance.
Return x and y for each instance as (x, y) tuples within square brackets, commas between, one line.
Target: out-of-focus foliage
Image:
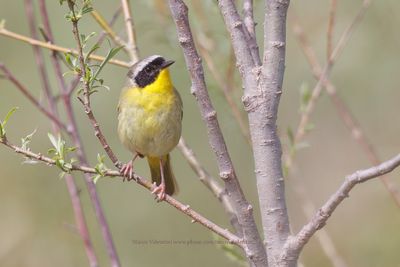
[(37, 229)]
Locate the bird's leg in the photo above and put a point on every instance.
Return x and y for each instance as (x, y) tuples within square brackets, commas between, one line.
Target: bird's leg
[(159, 190), (127, 169)]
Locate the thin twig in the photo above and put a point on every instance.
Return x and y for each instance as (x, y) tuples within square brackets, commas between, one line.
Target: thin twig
[(316, 92), (69, 179), (331, 25), (112, 21), (210, 182), (222, 84), (66, 97), (112, 252), (61, 49), (107, 28), (297, 242), (31, 98), (130, 31), (86, 94), (183, 208), (206, 48), (253, 246), (344, 112), (196, 217), (39, 59), (250, 30)]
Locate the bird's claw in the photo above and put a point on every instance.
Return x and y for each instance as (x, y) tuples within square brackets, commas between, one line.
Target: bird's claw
[(127, 171), (159, 191)]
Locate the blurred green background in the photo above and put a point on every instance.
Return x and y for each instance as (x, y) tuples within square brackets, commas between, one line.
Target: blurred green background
[(36, 225)]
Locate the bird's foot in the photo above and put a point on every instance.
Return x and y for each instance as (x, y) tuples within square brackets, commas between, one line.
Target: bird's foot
[(127, 171), (159, 191)]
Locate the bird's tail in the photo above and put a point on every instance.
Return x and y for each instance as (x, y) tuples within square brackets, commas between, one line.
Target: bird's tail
[(171, 186)]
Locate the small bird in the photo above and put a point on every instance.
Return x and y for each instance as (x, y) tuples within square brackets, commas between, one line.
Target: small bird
[(150, 120)]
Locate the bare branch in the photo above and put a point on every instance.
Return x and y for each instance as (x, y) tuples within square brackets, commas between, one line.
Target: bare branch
[(69, 179), (327, 244), (305, 117), (130, 31), (112, 252), (250, 30), (183, 208), (31, 98), (107, 28), (262, 105), (210, 182), (196, 217), (61, 49), (296, 243), (252, 243), (39, 59), (223, 85), (236, 29), (331, 24), (344, 112), (86, 99)]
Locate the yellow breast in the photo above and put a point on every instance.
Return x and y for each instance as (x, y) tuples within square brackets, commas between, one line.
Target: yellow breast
[(150, 117)]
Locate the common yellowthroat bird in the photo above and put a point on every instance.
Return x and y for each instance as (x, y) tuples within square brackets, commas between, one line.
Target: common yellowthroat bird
[(150, 120)]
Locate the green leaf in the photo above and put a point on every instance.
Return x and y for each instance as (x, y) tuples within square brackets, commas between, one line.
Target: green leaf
[(71, 64), (70, 16), (5, 120), (85, 38), (285, 170), (230, 250), (100, 158), (61, 175), (71, 149), (290, 136), (305, 96), (53, 140), (2, 23), (26, 140), (96, 178), (60, 163), (8, 115), (86, 9), (111, 53), (91, 51), (67, 166)]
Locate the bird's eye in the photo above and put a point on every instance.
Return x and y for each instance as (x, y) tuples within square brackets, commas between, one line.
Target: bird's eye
[(147, 70)]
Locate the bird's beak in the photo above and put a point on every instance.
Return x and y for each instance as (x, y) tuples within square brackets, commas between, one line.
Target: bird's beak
[(167, 63)]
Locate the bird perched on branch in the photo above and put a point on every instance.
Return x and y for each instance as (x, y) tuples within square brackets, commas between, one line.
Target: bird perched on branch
[(150, 120)]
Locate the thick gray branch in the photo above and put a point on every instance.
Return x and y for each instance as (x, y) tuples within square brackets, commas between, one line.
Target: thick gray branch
[(262, 90), (237, 31), (262, 106), (250, 30), (252, 242), (297, 242)]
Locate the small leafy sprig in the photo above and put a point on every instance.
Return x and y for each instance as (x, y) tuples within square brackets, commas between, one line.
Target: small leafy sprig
[(4, 122), (92, 71), (100, 168), (78, 14), (60, 152)]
